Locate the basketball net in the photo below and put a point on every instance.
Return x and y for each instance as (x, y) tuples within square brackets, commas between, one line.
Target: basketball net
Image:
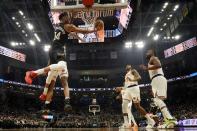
[(89, 20)]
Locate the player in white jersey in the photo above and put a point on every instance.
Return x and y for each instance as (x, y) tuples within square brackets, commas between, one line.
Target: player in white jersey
[(159, 87), (132, 94)]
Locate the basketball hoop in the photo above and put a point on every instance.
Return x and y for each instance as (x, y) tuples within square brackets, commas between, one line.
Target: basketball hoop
[(89, 20), (90, 14), (94, 109)]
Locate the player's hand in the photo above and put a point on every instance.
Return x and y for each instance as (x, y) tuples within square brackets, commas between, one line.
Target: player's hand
[(118, 97), (118, 89), (143, 67)]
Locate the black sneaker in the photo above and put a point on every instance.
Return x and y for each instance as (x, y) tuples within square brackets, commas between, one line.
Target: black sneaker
[(67, 106)]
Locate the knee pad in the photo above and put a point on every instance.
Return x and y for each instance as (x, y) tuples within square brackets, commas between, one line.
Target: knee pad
[(158, 102), (125, 106)]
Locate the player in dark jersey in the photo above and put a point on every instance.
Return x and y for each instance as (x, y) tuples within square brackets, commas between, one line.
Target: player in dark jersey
[(57, 55)]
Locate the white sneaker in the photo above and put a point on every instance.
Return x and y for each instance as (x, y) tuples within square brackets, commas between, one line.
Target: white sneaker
[(168, 124)]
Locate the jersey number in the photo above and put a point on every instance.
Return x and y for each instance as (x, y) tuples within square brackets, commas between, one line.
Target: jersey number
[(57, 35)]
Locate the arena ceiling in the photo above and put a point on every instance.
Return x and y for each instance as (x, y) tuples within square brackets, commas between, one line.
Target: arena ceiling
[(14, 26)]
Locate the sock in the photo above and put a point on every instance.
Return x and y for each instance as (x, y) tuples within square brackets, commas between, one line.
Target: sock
[(47, 102), (39, 71), (67, 97), (45, 91)]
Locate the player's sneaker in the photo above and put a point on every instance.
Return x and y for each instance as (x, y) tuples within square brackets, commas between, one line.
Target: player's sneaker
[(125, 126), (151, 124), (169, 123), (30, 75), (67, 106), (42, 97)]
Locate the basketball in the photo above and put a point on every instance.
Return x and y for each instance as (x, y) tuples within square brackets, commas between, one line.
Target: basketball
[(88, 3), (99, 25)]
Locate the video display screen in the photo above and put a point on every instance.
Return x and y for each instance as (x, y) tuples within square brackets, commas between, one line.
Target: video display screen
[(180, 47), (125, 16), (12, 54)]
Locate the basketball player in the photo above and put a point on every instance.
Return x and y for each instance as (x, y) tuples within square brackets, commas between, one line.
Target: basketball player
[(159, 87), (57, 55), (132, 94)]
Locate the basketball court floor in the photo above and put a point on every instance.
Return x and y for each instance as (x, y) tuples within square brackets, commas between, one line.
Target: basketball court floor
[(101, 129)]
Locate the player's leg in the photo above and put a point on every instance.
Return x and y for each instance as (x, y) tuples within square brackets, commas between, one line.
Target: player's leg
[(48, 92), (67, 106), (30, 75), (125, 103), (143, 112), (131, 117), (135, 96), (64, 81), (52, 75), (159, 87), (49, 96)]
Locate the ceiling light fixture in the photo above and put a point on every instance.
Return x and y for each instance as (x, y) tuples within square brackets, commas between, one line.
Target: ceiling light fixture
[(20, 12), (30, 26), (37, 37), (128, 44), (150, 31), (46, 48), (139, 44), (31, 42), (156, 37)]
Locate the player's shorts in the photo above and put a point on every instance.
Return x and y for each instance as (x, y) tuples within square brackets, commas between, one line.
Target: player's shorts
[(159, 86), (52, 75), (132, 94)]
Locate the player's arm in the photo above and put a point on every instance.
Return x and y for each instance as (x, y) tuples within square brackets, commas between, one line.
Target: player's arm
[(137, 76), (76, 36), (49, 62), (119, 97), (72, 28), (155, 64), (118, 90)]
